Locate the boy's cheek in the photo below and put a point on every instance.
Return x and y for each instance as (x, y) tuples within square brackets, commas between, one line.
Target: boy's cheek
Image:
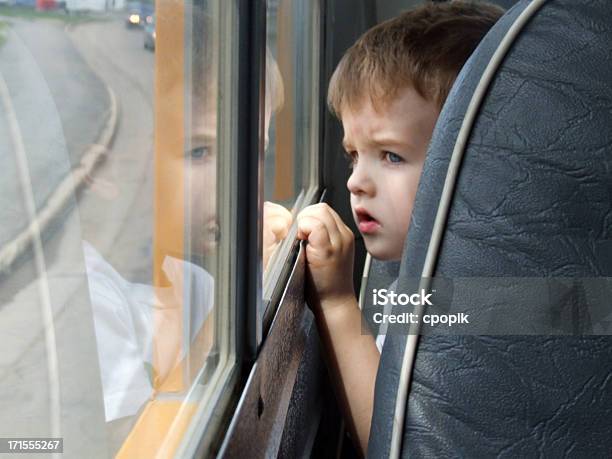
[(353, 214)]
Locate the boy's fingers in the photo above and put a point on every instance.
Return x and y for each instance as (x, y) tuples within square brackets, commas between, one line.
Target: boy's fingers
[(314, 230), (344, 230), (277, 221), (278, 225), (333, 220), (317, 208), (271, 209), (324, 213)]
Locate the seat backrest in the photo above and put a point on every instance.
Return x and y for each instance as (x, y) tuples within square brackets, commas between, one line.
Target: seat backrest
[(533, 200)]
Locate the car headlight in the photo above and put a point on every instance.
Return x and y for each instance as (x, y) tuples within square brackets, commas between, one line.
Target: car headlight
[(134, 18)]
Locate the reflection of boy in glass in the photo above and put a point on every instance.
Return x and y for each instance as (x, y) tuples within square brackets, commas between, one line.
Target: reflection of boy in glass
[(140, 329), (202, 158)]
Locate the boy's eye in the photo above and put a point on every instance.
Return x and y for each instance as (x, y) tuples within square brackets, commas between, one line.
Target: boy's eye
[(393, 158), (351, 157), (200, 152)]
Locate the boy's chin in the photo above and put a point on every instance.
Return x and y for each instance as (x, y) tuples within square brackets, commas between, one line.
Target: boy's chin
[(382, 252), (202, 251)]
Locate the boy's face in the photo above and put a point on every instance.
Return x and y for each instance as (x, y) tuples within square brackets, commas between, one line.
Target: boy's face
[(202, 180), (194, 201), (198, 166), (387, 148)]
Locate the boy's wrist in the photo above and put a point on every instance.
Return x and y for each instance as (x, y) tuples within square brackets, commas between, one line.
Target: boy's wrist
[(338, 303)]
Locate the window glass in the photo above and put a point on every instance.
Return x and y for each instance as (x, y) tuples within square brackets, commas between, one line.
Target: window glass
[(292, 102), (115, 235), (387, 9)]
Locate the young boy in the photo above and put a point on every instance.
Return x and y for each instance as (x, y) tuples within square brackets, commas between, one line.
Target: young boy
[(388, 91)]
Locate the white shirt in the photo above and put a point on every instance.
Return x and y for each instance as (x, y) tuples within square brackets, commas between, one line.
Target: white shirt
[(123, 322)]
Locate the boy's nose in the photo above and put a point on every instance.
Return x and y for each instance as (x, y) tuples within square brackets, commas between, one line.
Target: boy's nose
[(360, 181)]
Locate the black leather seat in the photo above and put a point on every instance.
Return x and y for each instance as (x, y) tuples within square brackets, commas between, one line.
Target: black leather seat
[(533, 200)]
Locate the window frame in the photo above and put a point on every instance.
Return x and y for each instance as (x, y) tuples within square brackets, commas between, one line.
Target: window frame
[(283, 260), (250, 330), (220, 393)]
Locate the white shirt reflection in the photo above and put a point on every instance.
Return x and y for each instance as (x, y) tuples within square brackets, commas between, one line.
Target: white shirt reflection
[(123, 322)]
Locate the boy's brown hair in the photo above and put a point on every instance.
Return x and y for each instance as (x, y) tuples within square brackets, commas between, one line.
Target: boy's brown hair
[(423, 48)]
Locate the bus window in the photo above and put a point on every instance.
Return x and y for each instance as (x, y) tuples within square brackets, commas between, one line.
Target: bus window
[(293, 101), (194, 158), (117, 154)]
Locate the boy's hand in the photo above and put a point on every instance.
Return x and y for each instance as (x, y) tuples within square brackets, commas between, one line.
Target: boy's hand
[(276, 223), (329, 255)]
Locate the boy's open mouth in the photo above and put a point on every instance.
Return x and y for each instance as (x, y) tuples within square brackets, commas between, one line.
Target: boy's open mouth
[(365, 222), (212, 230)]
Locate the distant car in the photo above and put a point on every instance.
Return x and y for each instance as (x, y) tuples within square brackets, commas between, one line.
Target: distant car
[(138, 14), (46, 5), (149, 34)]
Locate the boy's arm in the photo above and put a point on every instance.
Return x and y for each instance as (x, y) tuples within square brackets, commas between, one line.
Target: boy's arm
[(352, 356), (353, 360)]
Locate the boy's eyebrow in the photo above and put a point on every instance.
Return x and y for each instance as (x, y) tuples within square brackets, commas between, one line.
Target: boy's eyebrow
[(205, 136), (390, 140), (383, 140)]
